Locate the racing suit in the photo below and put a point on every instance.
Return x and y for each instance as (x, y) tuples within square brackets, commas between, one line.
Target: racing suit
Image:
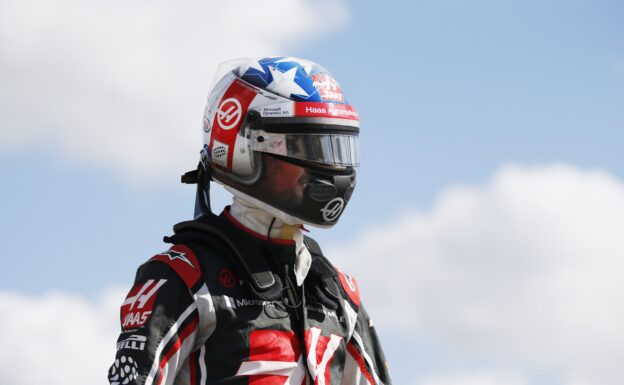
[(239, 299)]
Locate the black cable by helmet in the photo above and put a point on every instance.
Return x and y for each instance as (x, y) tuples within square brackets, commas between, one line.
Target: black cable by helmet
[(293, 300), (293, 297), (202, 177)]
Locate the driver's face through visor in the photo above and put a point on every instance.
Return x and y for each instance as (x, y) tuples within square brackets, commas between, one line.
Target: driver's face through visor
[(331, 149)]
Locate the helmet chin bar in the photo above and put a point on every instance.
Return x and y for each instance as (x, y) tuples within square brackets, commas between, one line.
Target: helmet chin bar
[(324, 198)]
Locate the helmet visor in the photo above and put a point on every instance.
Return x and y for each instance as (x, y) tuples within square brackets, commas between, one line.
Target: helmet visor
[(331, 149)]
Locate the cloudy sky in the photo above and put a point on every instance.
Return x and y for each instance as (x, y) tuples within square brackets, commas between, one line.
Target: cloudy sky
[(485, 229)]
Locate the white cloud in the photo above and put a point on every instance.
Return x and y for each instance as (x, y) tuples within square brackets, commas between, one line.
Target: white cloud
[(525, 270), (57, 339), (122, 84)]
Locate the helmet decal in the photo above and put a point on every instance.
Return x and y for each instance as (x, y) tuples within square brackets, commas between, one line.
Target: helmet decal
[(328, 88), (229, 113), (326, 110), (292, 78), (333, 209), (227, 119)]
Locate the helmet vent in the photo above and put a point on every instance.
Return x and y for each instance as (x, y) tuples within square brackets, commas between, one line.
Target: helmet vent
[(322, 190), (219, 152)]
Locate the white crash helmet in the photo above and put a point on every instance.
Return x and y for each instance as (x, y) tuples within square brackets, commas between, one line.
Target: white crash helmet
[(289, 109)]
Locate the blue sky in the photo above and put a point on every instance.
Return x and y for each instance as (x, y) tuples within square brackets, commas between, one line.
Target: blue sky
[(455, 97)]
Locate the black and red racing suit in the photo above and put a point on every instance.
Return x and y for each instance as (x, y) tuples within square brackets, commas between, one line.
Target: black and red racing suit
[(203, 313)]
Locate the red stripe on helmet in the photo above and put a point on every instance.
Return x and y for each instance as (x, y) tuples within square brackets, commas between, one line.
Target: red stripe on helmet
[(229, 116)]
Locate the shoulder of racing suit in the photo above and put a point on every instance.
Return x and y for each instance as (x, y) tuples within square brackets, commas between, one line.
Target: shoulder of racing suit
[(206, 244)]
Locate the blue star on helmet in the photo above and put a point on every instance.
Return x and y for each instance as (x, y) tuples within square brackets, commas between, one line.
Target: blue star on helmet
[(173, 255), (305, 64), (289, 77), (255, 72)]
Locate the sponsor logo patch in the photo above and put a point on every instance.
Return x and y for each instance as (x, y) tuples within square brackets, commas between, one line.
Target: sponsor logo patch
[(137, 307), (173, 255), (206, 125), (328, 88), (229, 113), (283, 109), (227, 278), (326, 110), (134, 342)]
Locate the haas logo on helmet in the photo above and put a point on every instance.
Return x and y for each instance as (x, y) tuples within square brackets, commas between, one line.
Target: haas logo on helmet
[(332, 209), (229, 113)]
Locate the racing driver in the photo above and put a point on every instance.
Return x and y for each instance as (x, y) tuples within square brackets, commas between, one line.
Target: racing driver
[(245, 297)]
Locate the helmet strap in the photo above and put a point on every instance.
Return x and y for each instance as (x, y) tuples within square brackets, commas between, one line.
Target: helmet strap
[(202, 177)]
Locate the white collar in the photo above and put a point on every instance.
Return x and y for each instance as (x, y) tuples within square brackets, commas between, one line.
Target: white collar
[(258, 220)]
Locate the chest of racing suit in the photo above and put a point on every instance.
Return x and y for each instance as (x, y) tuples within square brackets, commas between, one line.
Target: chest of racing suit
[(220, 307)]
